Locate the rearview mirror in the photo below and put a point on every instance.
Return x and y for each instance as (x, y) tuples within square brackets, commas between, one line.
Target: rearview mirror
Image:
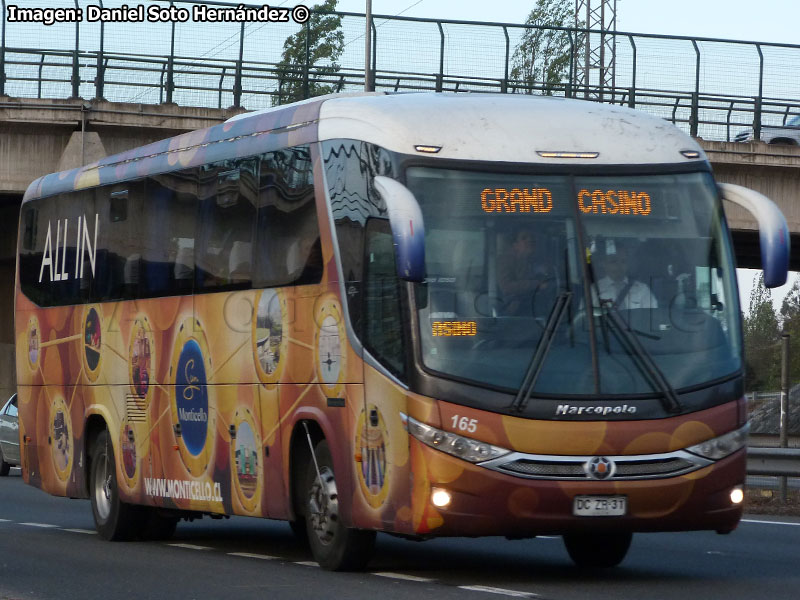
[(408, 229), (772, 229)]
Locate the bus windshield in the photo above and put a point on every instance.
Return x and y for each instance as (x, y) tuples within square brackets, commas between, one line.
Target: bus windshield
[(506, 254)]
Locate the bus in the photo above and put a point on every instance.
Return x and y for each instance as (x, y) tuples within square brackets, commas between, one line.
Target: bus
[(309, 313)]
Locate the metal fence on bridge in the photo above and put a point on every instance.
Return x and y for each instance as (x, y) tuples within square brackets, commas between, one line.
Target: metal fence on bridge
[(711, 88)]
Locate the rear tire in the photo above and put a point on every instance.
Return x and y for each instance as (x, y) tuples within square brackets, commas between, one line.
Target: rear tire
[(114, 519), (4, 466), (334, 546), (599, 550), (299, 529), (157, 527)]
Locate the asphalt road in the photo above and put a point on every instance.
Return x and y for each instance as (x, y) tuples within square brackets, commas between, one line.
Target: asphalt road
[(48, 551)]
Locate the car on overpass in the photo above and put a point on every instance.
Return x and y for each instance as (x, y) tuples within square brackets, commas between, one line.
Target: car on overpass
[(9, 436), (775, 134)]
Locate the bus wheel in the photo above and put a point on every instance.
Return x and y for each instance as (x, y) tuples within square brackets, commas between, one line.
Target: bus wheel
[(157, 527), (113, 519), (600, 550), (4, 466), (334, 546), (299, 529)]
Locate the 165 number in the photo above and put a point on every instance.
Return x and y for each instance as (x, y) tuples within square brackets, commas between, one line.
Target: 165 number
[(464, 424)]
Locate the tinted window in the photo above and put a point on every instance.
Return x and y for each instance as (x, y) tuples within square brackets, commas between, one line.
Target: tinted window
[(350, 167), (227, 194), (288, 247), (383, 314), (58, 253), (225, 225)]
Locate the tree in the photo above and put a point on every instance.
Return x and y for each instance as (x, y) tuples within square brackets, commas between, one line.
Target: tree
[(310, 55), (542, 56), (790, 323), (761, 342)]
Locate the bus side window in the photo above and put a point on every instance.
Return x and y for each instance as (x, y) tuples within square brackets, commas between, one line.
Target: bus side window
[(288, 243), (226, 225), (383, 326), (166, 232)]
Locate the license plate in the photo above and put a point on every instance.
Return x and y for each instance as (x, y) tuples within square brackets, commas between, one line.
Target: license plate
[(599, 506)]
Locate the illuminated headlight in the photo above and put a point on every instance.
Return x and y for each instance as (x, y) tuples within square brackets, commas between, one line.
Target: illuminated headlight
[(451, 443), (722, 446)]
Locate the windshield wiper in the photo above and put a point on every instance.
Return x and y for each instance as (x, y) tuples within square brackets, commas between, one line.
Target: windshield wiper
[(542, 348), (641, 356)]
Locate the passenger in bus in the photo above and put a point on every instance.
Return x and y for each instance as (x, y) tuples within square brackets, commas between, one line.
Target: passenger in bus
[(618, 286), (521, 277)]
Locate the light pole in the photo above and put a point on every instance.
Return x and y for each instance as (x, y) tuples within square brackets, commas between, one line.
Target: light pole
[(368, 84)]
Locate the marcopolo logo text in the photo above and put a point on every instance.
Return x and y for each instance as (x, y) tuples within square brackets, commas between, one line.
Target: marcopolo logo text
[(601, 410)]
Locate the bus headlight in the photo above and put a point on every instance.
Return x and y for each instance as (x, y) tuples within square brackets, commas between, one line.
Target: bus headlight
[(722, 446), (451, 443)]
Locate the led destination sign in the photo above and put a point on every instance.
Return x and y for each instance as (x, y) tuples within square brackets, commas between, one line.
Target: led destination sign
[(524, 200), (614, 202), (540, 200), (454, 328)]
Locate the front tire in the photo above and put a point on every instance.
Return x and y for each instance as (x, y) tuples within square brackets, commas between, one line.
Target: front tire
[(334, 546), (114, 519), (600, 550)]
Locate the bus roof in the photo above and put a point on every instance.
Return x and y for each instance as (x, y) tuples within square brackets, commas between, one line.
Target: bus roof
[(488, 127)]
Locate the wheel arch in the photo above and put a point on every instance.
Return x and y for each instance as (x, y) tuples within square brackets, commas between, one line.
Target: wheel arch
[(95, 424), (319, 428)]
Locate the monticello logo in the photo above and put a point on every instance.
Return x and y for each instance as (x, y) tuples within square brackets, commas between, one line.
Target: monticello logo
[(191, 397)]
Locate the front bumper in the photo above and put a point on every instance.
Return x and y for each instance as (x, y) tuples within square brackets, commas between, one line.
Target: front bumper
[(487, 502)]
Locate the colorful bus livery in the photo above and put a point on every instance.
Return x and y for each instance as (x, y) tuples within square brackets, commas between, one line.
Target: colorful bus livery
[(328, 313)]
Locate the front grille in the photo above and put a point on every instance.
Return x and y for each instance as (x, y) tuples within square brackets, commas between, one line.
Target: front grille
[(648, 466)]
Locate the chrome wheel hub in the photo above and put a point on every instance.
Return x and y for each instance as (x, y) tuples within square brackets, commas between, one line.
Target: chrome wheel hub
[(323, 506)]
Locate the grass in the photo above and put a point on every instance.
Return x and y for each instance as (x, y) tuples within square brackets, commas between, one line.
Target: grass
[(762, 501)]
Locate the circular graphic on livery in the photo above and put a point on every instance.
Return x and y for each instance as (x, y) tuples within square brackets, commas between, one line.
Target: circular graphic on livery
[(246, 459), (128, 445), (34, 337), (192, 403), (60, 437), (270, 335), (92, 341), (141, 360), (329, 347), (372, 447)]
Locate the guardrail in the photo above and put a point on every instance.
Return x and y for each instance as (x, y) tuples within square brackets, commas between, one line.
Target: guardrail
[(711, 88), (779, 462)]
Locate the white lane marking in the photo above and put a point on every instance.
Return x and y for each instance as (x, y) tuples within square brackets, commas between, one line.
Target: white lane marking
[(45, 525), (770, 522), (403, 576), (86, 531), (249, 555), (5, 521), (190, 546), (501, 591), (307, 563)]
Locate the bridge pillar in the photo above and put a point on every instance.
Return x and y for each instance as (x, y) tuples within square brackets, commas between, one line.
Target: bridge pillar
[(83, 148)]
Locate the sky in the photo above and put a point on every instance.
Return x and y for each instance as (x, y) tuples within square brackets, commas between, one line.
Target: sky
[(764, 21)]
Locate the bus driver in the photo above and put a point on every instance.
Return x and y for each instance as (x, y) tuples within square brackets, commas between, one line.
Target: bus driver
[(623, 292)]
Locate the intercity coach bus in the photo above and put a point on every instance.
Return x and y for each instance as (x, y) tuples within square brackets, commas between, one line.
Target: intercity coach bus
[(391, 313)]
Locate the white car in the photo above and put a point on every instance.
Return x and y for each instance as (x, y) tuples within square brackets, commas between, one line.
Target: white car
[(775, 134), (9, 436)]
